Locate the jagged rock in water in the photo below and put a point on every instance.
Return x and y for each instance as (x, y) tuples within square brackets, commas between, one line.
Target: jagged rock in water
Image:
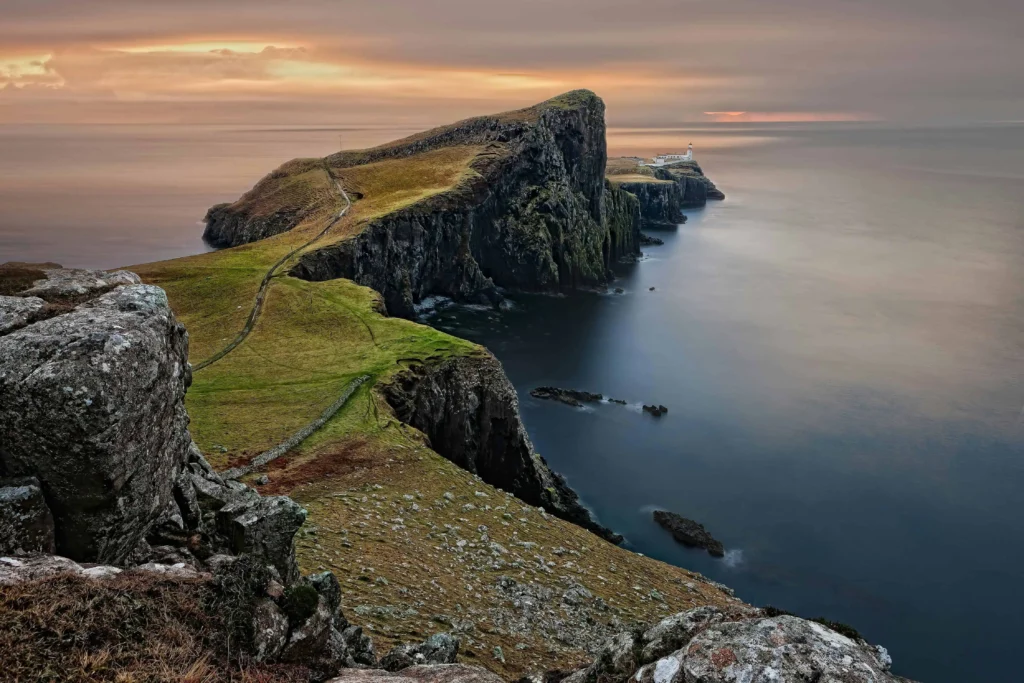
[(570, 397), (689, 532), (437, 673), (655, 410), (469, 411), (26, 525), (92, 406), (648, 241)]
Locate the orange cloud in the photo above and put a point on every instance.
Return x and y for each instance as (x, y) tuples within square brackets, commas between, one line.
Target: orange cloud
[(785, 116)]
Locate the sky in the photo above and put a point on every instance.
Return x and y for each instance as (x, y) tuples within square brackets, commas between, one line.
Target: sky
[(655, 62)]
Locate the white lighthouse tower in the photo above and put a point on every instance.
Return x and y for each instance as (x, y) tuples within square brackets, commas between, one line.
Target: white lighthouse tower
[(666, 159)]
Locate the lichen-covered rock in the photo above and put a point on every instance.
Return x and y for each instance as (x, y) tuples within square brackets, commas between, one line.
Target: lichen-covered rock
[(17, 312), (470, 412), (437, 673), (781, 649), (92, 405), (264, 529), (616, 661), (26, 525), (440, 648), (673, 632), (269, 630), (73, 284)]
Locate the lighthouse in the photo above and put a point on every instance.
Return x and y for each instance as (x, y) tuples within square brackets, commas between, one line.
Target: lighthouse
[(666, 159)]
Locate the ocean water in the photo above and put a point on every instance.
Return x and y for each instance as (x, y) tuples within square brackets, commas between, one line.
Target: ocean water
[(840, 345)]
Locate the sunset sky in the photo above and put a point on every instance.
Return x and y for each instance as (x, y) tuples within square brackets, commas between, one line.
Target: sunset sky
[(657, 62)]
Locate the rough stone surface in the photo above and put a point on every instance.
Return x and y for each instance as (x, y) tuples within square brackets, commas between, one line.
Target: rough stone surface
[(440, 648), (673, 632), (266, 530), (17, 312), (26, 525), (661, 203), (32, 568), (92, 405), (689, 532), (779, 650), (72, 284), (437, 673), (470, 413), (269, 630)]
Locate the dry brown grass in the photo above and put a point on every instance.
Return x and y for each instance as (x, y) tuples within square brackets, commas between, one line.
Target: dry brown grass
[(133, 628)]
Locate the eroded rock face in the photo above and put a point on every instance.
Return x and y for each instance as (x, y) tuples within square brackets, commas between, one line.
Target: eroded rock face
[(470, 412), (26, 525), (661, 203), (705, 645), (779, 650), (438, 673), (92, 406), (17, 312)]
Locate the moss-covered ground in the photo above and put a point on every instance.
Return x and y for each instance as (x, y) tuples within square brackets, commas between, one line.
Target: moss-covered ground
[(385, 512)]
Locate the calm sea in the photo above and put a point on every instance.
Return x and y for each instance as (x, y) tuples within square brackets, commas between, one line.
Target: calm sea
[(840, 345)]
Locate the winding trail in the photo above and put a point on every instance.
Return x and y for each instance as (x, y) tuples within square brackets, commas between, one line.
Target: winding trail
[(261, 293), (257, 307)]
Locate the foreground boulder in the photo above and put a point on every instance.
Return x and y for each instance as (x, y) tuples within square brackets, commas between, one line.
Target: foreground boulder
[(440, 648), (92, 406), (438, 673), (706, 645)]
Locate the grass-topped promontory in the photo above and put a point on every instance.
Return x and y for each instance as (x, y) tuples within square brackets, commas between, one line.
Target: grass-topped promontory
[(419, 544)]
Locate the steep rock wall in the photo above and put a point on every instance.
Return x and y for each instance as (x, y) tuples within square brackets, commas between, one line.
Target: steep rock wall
[(660, 203), (469, 411)]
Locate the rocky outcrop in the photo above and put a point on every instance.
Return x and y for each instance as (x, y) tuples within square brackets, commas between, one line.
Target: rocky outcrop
[(469, 411), (571, 397), (26, 525), (92, 406), (661, 201), (695, 187), (441, 673), (706, 645), (689, 532), (440, 648)]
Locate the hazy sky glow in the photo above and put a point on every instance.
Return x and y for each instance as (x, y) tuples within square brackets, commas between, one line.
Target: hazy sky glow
[(656, 63)]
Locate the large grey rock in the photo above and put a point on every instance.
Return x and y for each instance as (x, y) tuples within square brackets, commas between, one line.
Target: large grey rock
[(440, 648), (62, 284), (781, 649), (269, 630), (264, 528), (673, 632), (16, 311), (20, 569), (92, 405), (437, 673), (617, 659), (26, 525), (309, 640)]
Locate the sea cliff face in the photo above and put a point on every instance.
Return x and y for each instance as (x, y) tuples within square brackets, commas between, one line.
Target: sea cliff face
[(660, 202), (469, 411), (531, 214)]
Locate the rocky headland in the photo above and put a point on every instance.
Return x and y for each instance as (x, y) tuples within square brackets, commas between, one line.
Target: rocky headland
[(418, 514)]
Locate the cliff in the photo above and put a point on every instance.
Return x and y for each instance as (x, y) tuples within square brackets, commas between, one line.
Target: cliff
[(527, 212), (663, 192)]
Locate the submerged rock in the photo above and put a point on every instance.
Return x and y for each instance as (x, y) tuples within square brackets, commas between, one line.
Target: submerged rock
[(689, 532)]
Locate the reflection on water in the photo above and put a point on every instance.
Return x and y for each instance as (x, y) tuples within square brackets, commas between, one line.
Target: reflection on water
[(841, 348), (840, 345)]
